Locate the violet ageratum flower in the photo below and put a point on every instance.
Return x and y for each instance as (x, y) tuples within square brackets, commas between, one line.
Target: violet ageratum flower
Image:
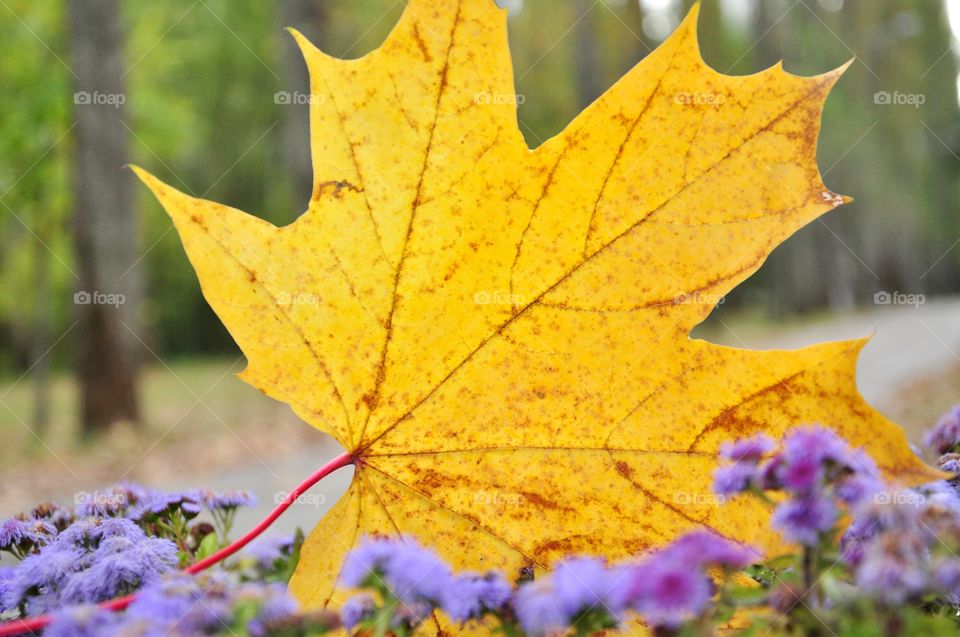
[(538, 609), (40, 576), (893, 568), (267, 551), (735, 478), (82, 621), (747, 449), (668, 593), (804, 518), (119, 566), (411, 572), (582, 584), (470, 595), (366, 560), (356, 609), (229, 499), (20, 532), (156, 504), (817, 443), (166, 600), (414, 573), (702, 548), (945, 435), (274, 606)]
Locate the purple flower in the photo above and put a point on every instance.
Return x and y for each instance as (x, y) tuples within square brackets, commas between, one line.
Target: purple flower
[(747, 449), (166, 600), (20, 534), (668, 593), (156, 504), (855, 538), (735, 478), (702, 548), (100, 504), (802, 474), (81, 621), (411, 572), (816, 443), (230, 499), (274, 606), (7, 575), (116, 527), (119, 566), (858, 487), (803, 519), (892, 568), (585, 583), (366, 560), (40, 575), (356, 609), (949, 462), (946, 434), (470, 595), (268, 551), (538, 609), (946, 575)]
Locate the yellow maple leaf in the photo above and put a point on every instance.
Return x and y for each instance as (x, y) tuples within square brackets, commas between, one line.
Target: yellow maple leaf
[(499, 335)]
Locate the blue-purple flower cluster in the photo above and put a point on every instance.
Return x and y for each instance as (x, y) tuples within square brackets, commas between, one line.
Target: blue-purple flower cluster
[(406, 583), (180, 605), (111, 543), (814, 466), (894, 569)]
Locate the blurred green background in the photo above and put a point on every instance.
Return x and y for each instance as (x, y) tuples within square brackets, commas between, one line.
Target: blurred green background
[(205, 85)]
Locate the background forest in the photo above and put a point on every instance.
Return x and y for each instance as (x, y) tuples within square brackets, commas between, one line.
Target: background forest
[(211, 95)]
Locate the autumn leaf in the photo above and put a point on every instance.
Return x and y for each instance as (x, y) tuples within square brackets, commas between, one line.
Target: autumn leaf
[(500, 335)]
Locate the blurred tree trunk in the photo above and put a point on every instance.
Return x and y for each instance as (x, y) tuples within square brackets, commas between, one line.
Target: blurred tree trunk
[(104, 220), (309, 17), (589, 73), (40, 341)]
